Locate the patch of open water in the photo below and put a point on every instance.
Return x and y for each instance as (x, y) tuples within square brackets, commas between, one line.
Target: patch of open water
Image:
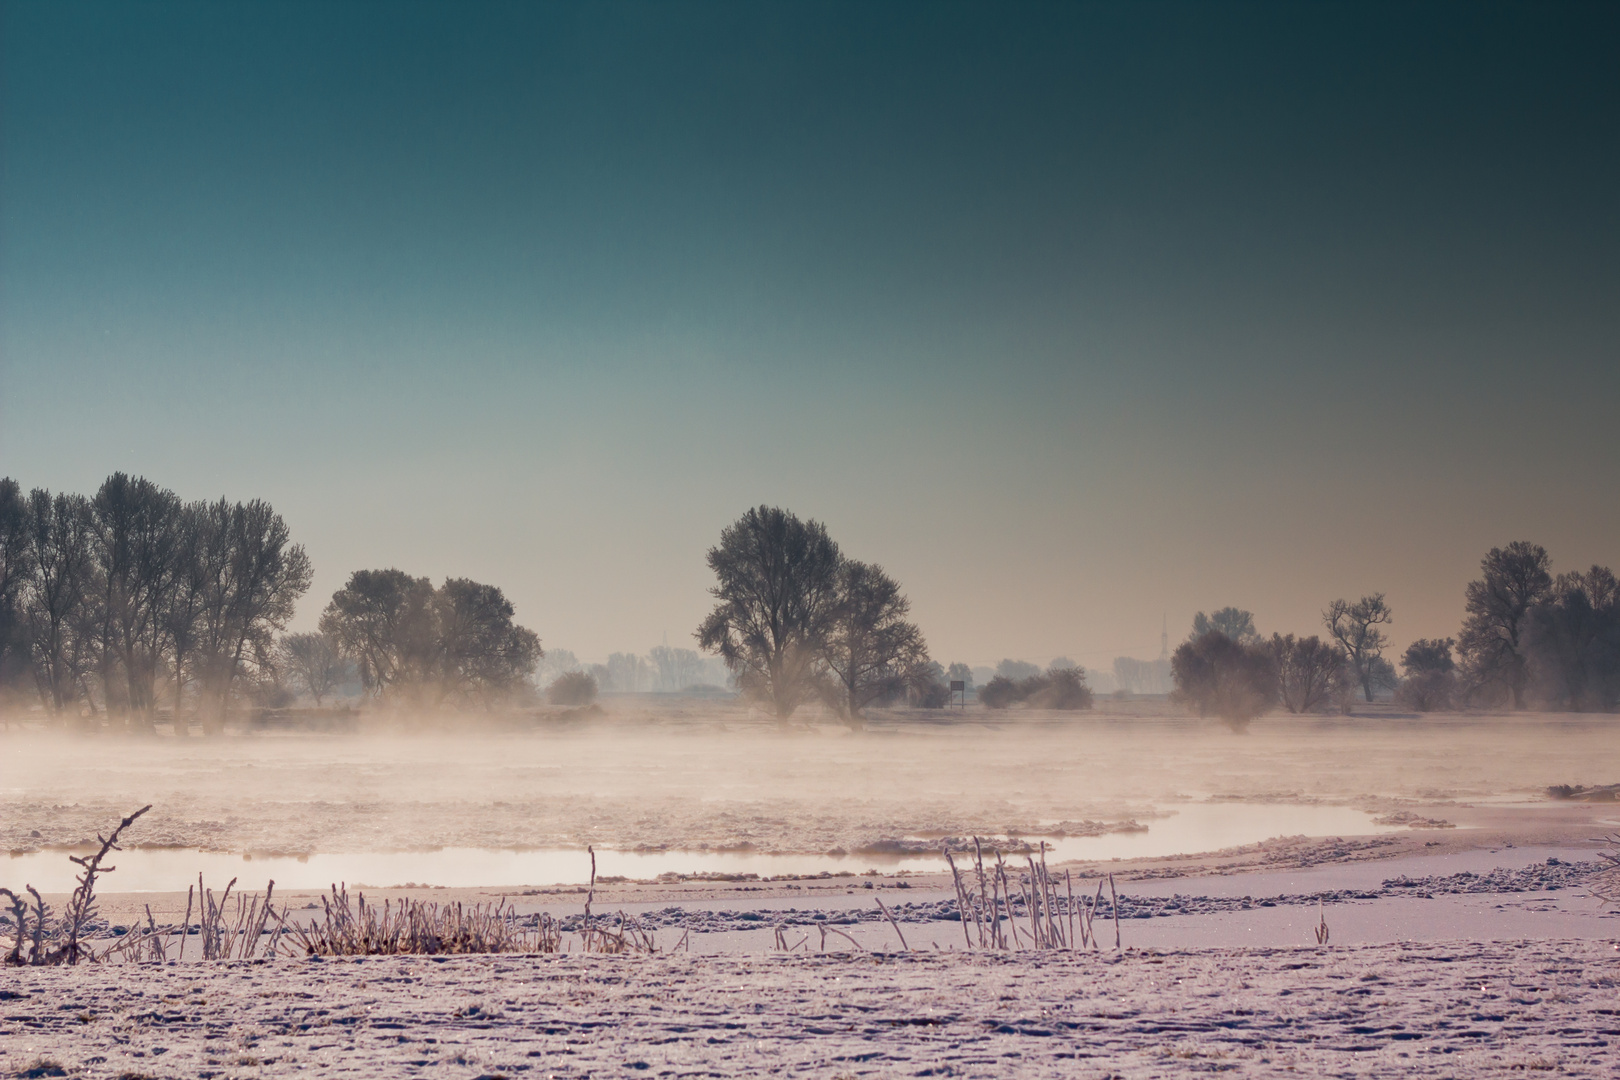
[(1190, 829)]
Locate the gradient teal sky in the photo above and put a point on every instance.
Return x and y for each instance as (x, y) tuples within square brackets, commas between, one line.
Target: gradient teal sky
[(1071, 315)]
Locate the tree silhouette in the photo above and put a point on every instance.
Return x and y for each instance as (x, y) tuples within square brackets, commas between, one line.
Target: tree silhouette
[(1355, 628), (1494, 654), (869, 648), (778, 592)]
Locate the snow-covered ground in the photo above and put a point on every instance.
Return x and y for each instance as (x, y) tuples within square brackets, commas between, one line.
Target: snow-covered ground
[(1449, 1009)]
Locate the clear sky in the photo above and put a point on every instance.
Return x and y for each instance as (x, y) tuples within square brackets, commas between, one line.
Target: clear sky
[(1069, 315)]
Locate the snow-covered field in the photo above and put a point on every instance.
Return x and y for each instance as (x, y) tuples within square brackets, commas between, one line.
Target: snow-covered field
[(1464, 942), (1456, 1009)]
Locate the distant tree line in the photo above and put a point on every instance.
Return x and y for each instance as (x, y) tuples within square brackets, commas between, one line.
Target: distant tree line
[(1528, 639), (114, 604)]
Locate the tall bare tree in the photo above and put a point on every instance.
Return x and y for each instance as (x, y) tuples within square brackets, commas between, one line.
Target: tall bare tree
[(1356, 628), (870, 649), (778, 591), (1573, 642), (15, 569), (1495, 659), (255, 575), (60, 624), (136, 524)]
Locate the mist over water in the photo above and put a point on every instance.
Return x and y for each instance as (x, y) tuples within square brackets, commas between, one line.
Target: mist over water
[(714, 791)]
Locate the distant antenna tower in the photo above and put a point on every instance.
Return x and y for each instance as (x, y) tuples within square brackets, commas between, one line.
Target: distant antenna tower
[(1164, 638)]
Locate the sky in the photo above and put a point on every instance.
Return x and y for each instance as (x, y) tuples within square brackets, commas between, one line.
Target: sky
[(1077, 318)]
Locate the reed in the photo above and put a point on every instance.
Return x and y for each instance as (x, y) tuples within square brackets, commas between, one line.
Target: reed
[(410, 927), (1052, 919)]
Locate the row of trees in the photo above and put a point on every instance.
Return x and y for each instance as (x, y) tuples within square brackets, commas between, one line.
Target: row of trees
[(112, 603), (419, 647), (1528, 639), (797, 621)]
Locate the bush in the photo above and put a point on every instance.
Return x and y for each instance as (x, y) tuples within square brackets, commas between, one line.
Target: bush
[(1310, 672), (1059, 688), (932, 695), (572, 688), (998, 693), (1219, 677), (1427, 691)]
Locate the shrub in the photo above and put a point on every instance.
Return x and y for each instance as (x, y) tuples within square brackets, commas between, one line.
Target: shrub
[(1427, 691), (998, 693), (573, 689), (1219, 677), (1310, 672), (1059, 688)]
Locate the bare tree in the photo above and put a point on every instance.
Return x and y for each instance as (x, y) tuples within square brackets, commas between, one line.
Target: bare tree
[(1220, 677), (253, 578), (1515, 579), (314, 662), (777, 592), (1573, 641), (1355, 628), (869, 648), (56, 605), (136, 525), (1309, 671), (1235, 623), (16, 567)]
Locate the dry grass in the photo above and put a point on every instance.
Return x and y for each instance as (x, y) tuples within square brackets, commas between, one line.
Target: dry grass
[(413, 928), (254, 928)]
